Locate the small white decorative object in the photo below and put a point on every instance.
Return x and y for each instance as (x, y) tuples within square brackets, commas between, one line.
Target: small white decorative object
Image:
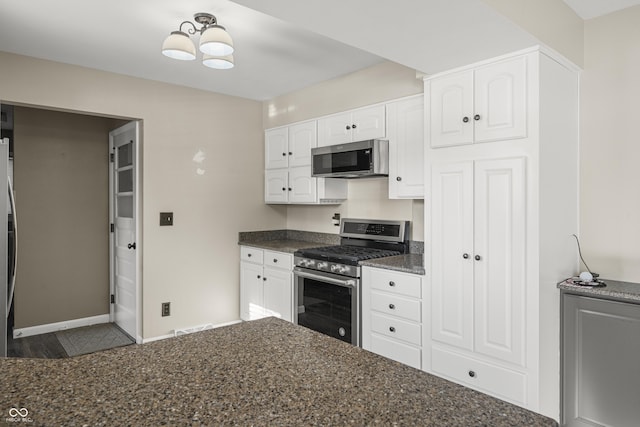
[(586, 277)]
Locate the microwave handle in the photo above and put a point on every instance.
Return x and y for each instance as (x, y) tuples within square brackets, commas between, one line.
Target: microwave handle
[(347, 283)]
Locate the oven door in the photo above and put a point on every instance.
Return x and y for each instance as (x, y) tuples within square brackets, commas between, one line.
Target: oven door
[(327, 303)]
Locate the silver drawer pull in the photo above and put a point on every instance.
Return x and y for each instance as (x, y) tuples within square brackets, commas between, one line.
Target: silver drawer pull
[(472, 374), (392, 329), (392, 307), (392, 283)]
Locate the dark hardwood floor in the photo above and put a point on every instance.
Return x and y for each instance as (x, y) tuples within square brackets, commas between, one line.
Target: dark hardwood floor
[(45, 346)]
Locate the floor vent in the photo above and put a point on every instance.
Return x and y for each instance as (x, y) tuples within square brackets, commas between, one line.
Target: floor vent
[(179, 332)]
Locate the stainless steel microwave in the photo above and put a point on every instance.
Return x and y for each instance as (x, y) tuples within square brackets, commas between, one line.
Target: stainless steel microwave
[(351, 160)]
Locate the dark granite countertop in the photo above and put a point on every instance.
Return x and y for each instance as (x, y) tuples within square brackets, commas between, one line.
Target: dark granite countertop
[(286, 240), (266, 372), (614, 290), (409, 263)]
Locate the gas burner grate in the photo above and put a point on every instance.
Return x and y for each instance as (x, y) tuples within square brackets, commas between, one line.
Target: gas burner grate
[(346, 253)]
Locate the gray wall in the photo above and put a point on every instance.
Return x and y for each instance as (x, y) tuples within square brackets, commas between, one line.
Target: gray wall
[(62, 189)]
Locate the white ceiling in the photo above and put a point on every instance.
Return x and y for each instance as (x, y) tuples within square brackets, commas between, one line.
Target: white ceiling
[(281, 45), (125, 36), (588, 9)]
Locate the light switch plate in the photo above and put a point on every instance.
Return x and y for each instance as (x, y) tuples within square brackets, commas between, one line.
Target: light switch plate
[(166, 218)]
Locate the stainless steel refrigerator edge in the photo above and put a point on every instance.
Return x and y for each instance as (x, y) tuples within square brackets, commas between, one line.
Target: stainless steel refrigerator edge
[(5, 291)]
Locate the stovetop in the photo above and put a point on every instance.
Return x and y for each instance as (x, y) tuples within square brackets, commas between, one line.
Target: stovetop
[(345, 254)]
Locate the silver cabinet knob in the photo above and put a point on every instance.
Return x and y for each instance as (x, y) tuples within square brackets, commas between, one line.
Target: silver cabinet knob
[(392, 329), (392, 306)]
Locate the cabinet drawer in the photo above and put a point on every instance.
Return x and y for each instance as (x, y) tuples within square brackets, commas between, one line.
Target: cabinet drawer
[(250, 254), (401, 284), (396, 328), (395, 305), (278, 259), (500, 382), (396, 350)]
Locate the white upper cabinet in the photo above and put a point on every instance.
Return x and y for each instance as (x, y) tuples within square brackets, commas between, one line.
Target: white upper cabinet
[(276, 186), (290, 145), (276, 148), (288, 177), (484, 104), (302, 138), (303, 185), (405, 132), (355, 125)]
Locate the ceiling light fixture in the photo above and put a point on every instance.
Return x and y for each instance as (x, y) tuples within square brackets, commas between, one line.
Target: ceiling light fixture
[(215, 43)]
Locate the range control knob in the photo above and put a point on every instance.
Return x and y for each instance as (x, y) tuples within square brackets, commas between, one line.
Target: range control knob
[(322, 265)]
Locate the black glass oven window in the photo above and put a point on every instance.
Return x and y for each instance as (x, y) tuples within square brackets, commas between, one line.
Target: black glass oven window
[(348, 161), (372, 229), (326, 308)]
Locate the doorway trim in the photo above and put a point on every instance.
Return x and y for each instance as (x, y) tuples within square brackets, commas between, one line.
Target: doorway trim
[(135, 126)]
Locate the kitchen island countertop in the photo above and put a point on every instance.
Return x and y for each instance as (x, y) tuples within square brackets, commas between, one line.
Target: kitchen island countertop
[(264, 372)]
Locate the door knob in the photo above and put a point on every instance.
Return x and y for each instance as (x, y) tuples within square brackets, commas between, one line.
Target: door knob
[(131, 245)]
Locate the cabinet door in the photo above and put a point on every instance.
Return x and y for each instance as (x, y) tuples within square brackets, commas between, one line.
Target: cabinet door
[(335, 129), (451, 104), (499, 259), (278, 293), (302, 138), (405, 131), (251, 291), (276, 186), (303, 185), (276, 152), (500, 110), (452, 254), (368, 123), (601, 343)]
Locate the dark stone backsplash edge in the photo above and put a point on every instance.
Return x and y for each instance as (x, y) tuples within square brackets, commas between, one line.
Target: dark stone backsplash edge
[(415, 246)]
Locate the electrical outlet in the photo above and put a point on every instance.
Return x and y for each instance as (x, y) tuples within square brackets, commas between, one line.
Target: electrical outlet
[(166, 309)]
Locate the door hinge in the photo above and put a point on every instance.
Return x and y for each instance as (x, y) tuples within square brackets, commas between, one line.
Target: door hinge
[(113, 299), (112, 227), (112, 157)]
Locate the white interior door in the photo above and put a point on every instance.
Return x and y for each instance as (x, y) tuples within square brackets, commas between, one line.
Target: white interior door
[(124, 290)]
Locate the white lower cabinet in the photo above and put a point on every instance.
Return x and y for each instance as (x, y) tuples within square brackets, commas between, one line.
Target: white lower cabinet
[(491, 378), (391, 315), (266, 284)]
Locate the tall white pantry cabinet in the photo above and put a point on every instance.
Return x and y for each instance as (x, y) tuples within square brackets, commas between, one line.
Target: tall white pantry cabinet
[(501, 205)]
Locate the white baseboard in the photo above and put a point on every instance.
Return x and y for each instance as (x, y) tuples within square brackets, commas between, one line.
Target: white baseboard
[(200, 327), (59, 326)]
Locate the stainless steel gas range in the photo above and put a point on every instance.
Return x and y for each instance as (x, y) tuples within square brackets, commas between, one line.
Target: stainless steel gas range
[(327, 284)]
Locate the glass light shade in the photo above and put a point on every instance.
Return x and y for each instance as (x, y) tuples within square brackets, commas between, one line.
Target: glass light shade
[(218, 62), (179, 46), (216, 41)]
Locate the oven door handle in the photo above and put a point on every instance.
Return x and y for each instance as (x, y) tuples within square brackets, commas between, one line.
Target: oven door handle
[(347, 283)]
